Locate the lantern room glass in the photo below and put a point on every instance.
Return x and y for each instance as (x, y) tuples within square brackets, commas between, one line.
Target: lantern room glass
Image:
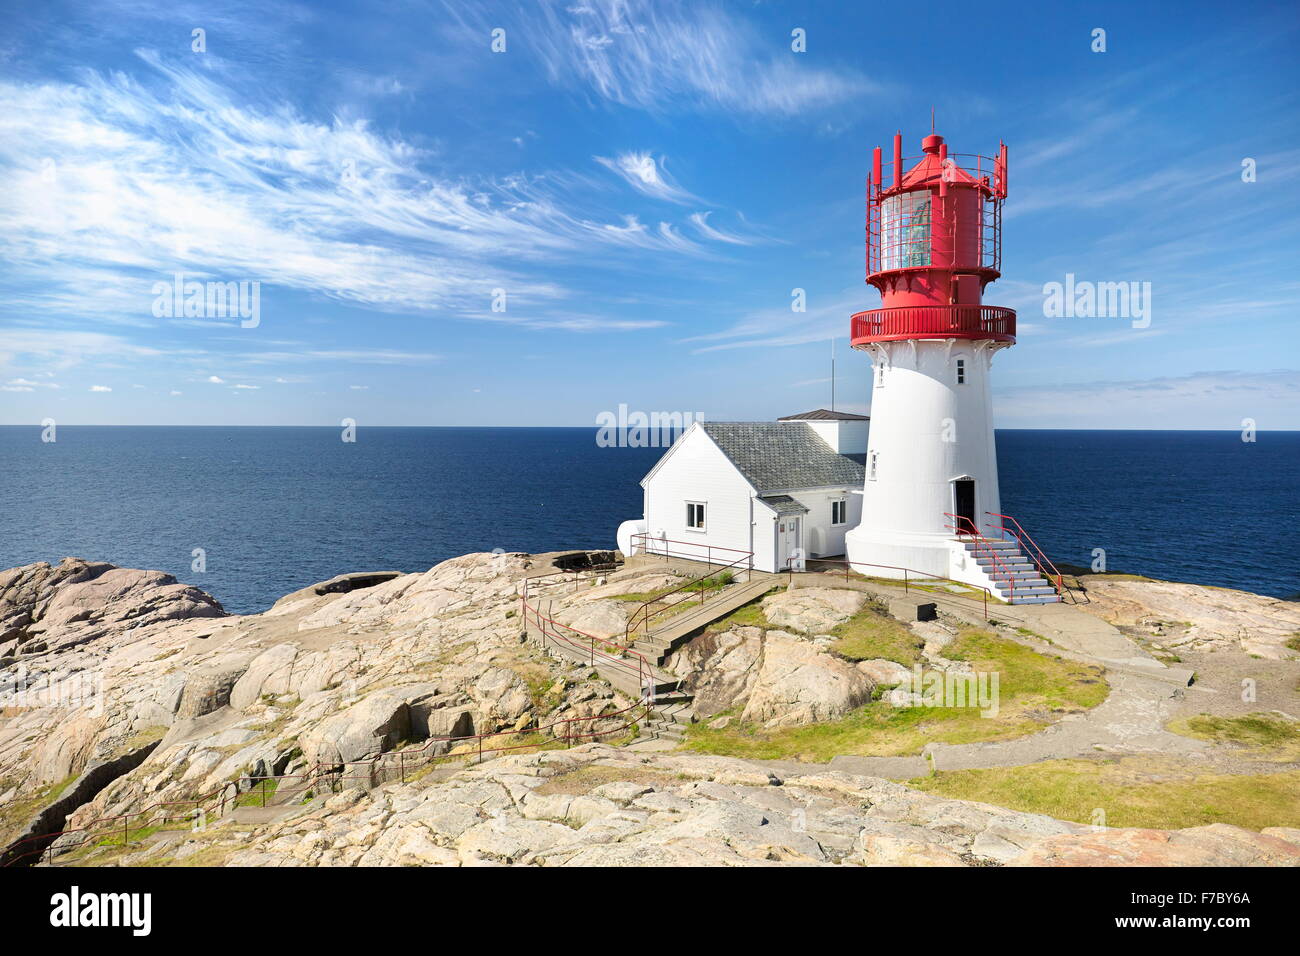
[(905, 231)]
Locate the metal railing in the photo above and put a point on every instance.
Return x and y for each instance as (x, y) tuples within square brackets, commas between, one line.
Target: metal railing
[(907, 581), (640, 618), (949, 321), (371, 771), (1031, 548), (966, 528)]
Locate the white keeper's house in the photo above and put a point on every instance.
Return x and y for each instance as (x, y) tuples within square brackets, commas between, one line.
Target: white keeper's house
[(792, 486)]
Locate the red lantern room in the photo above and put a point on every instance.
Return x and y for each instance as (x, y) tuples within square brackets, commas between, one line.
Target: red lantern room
[(934, 241)]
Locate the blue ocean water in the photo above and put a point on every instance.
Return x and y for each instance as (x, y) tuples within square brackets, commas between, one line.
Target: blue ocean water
[(276, 509)]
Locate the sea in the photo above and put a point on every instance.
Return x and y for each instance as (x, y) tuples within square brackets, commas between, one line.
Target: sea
[(252, 513)]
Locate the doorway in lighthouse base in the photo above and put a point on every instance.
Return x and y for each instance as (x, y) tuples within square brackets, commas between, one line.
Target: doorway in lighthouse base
[(963, 505)]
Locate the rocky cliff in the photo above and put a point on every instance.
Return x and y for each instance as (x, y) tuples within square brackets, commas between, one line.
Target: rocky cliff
[(125, 689)]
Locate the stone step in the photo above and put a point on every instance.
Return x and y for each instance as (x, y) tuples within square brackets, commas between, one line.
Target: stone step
[(662, 730), (1037, 599), (1026, 592), (1019, 580), (1013, 570)]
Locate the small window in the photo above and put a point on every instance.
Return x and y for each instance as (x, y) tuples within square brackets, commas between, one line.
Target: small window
[(871, 465), (880, 375), (839, 511), (961, 371), (695, 515)]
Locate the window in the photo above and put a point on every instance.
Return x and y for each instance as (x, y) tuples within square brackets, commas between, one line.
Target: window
[(695, 515), (961, 371), (880, 374), (839, 511), (871, 465), (905, 230)]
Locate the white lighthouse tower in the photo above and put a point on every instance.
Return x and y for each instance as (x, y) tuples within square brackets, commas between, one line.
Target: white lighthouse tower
[(930, 497)]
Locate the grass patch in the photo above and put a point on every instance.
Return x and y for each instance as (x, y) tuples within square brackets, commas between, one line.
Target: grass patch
[(1033, 691), (749, 614), (713, 583), (586, 779), (1128, 792), (1269, 733), (253, 798), (871, 634), (15, 814)]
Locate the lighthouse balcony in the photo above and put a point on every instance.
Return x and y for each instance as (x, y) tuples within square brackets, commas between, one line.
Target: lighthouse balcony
[(983, 322)]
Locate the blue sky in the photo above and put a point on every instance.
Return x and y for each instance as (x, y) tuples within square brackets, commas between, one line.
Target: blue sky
[(647, 183)]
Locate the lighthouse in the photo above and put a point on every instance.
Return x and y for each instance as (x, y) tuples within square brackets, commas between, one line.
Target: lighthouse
[(930, 500)]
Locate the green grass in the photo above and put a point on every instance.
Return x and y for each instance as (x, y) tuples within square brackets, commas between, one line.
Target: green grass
[(871, 635), (1034, 690), (253, 798), (18, 812), (1268, 733), (126, 838), (716, 582), (1128, 793), (749, 614)]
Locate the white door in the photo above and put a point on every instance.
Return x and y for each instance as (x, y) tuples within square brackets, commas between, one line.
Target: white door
[(787, 539)]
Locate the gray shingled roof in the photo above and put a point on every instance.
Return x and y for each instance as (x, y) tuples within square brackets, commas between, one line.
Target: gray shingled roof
[(824, 415), (775, 456), (783, 504)]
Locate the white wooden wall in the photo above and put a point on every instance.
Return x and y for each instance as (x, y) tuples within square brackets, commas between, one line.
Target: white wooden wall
[(698, 471)]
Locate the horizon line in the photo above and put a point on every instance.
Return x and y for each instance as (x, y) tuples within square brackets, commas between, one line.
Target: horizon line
[(1030, 428)]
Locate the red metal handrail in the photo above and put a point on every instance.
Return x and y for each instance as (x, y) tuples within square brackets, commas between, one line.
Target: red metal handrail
[(746, 558), (974, 533), (906, 572), (945, 321), (1036, 554)]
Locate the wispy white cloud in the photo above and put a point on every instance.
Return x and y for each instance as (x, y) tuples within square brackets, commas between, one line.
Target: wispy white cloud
[(62, 349), (100, 388), (1209, 399), (666, 55), (646, 175), (701, 222), (825, 317), (117, 181)]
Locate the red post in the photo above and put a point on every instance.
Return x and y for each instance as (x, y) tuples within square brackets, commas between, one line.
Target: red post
[(898, 159)]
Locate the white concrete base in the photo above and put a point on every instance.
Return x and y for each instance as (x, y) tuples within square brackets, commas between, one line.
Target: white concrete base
[(883, 554)]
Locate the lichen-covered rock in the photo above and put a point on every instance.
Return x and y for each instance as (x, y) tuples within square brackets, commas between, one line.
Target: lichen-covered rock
[(372, 725), (799, 683), (1197, 618), (812, 610), (1215, 845), (885, 673), (601, 806)]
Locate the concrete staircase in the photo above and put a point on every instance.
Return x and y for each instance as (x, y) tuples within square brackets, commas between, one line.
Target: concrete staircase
[(1003, 563)]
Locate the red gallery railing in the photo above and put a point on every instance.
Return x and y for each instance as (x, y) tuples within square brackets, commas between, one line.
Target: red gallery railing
[(940, 321)]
